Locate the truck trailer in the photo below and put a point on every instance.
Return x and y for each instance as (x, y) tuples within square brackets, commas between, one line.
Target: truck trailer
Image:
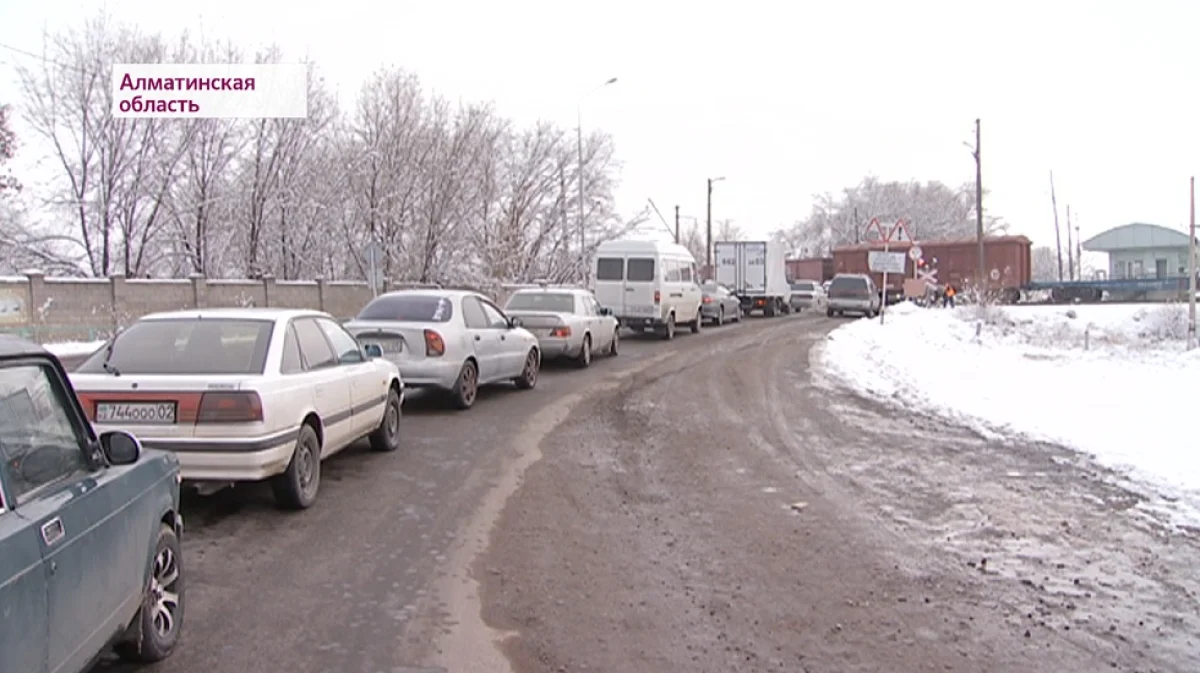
[(755, 272)]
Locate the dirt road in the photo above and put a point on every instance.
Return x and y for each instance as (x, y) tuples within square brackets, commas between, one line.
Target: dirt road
[(724, 510)]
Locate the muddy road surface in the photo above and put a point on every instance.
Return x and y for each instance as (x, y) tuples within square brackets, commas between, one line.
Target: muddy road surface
[(709, 504), (727, 509)]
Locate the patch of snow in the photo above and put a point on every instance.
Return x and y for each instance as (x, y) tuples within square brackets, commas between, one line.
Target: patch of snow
[(1113, 381), (68, 349)]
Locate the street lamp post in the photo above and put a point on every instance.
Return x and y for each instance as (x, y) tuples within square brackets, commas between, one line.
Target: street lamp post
[(708, 244), (582, 199)]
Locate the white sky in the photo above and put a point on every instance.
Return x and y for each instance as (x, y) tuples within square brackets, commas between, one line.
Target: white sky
[(784, 99)]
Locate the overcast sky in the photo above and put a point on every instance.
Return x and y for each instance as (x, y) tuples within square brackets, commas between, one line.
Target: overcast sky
[(784, 99)]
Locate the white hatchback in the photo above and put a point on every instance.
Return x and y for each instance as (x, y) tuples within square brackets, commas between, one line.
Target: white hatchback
[(244, 394)]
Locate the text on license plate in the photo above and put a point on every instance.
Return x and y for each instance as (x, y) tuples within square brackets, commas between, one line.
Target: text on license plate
[(390, 345), (135, 412)]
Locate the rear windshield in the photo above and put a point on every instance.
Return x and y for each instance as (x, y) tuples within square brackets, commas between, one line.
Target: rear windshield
[(408, 308), (847, 283), (560, 302), (610, 268), (640, 269), (186, 346), (802, 287)]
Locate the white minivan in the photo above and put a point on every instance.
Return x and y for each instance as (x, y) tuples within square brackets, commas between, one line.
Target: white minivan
[(649, 285)]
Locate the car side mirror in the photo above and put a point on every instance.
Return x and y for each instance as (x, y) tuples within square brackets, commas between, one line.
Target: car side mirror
[(514, 323), (604, 310), (120, 447), (373, 350)]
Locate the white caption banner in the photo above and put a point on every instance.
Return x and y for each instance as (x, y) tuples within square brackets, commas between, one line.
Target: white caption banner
[(210, 91)]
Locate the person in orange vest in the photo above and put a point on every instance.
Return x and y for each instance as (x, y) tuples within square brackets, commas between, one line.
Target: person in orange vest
[(948, 297)]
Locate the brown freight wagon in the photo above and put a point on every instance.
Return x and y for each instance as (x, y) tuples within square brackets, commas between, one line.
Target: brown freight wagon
[(1008, 260), (819, 269)]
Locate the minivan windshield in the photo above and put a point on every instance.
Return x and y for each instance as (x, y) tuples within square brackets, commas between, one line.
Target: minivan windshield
[(211, 346)]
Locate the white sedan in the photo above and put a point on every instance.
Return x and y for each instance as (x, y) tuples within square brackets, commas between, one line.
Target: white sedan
[(568, 322), (452, 341), (244, 394)]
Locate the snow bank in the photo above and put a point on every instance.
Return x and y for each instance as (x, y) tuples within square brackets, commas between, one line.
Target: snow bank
[(68, 349), (1113, 381)]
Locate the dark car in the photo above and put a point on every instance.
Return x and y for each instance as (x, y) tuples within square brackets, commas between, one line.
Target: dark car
[(718, 304), (89, 529), (852, 293)]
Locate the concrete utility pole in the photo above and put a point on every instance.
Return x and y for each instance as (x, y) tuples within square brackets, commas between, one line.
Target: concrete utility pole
[(979, 206), (708, 242), (1192, 272), (583, 265), (676, 225), (1070, 248)]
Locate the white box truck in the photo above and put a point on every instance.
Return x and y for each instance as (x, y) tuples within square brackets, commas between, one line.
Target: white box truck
[(755, 272)]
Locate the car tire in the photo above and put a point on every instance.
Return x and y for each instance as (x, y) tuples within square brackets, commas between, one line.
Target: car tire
[(615, 347), (157, 624), (828, 313), (698, 323), (585, 353), (466, 387), (720, 317), (386, 437), (668, 330), (529, 373), (297, 487)]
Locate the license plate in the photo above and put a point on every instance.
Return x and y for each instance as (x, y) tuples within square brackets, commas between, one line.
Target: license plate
[(389, 345), (135, 412)]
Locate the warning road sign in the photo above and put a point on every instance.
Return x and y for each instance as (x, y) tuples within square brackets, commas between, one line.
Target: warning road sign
[(899, 233)]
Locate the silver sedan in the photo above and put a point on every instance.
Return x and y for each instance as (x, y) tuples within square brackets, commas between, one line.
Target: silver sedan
[(567, 321), (718, 304)]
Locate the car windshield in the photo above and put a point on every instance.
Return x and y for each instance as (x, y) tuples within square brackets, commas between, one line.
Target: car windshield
[(211, 346), (408, 308), (559, 302), (802, 287), (848, 284)]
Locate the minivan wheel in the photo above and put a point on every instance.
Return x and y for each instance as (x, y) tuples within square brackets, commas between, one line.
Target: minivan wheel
[(156, 627), (668, 331)]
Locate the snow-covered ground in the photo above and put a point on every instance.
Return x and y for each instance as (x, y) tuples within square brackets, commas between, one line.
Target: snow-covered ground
[(67, 349), (1113, 381)]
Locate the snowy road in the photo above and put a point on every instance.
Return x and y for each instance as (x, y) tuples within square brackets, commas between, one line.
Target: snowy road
[(706, 505)]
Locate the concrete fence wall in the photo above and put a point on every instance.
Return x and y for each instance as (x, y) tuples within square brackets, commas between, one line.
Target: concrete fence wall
[(47, 309)]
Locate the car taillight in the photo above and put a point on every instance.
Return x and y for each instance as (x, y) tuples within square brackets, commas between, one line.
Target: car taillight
[(707, 300), (229, 407), (657, 297), (561, 332), (434, 345)]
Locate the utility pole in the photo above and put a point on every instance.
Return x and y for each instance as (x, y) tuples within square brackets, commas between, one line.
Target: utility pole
[(1070, 248), (979, 205), (708, 242), (1078, 249), (676, 225), (1192, 272), (1057, 231)]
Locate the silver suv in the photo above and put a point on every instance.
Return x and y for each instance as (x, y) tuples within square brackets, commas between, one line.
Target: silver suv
[(852, 293)]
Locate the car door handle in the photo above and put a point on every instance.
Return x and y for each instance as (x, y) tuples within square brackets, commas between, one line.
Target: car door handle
[(503, 338), (676, 294), (630, 289), (53, 531), (477, 337)]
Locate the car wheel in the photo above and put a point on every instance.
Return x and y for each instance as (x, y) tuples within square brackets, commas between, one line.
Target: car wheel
[(297, 487), (668, 331), (466, 387), (585, 353), (828, 313), (161, 615), (529, 373), (698, 323), (386, 437), (720, 316), (614, 347)]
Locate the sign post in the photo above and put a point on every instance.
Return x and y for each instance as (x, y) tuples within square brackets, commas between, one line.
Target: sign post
[(374, 258), (887, 261)]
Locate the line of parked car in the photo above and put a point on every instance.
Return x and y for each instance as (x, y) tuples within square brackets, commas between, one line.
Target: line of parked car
[(90, 521)]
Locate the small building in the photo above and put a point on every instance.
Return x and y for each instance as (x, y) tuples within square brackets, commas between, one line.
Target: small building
[(1141, 250)]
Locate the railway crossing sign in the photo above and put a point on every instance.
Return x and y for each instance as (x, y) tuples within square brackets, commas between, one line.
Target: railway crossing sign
[(914, 253), (928, 274)]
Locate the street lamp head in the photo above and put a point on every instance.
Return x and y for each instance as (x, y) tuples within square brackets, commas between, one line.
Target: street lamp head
[(611, 80), (716, 179)]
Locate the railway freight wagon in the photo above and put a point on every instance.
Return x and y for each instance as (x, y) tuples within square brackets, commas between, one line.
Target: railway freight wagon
[(819, 269), (1008, 263)]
